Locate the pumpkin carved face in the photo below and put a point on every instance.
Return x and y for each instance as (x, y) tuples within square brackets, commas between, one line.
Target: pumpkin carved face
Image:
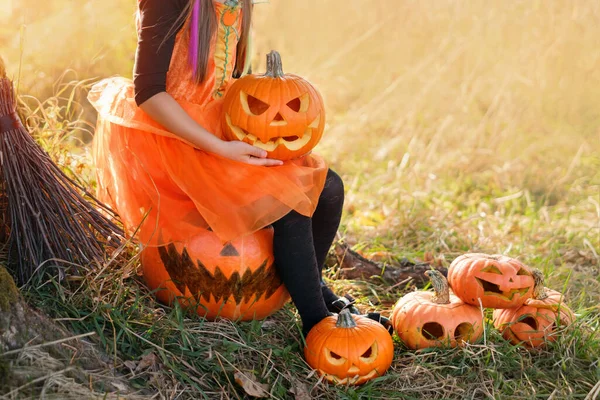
[(282, 114), (537, 321), (349, 349), (498, 281), (436, 319), (235, 280)]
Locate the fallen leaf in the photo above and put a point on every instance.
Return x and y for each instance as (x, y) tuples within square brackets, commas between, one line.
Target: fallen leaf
[(120, 386), (251, 386), (270, 325), (380, 256), (149, 360), (130, 364), (428, 257), (299, 390)]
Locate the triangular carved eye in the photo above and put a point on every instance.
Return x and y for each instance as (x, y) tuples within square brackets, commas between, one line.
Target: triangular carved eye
[(299, 104), (371, 354), (252, 105), (334, 358), (492, 269), (229, 251)]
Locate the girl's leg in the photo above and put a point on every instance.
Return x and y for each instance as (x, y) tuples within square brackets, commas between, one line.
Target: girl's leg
[(299, 257), (297, 266), (325, 223)]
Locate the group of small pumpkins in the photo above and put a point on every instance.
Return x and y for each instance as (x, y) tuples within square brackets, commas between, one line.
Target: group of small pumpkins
[(356, 349)]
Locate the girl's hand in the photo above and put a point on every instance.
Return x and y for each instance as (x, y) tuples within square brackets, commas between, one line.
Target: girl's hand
[(246, 153), (163, 108)]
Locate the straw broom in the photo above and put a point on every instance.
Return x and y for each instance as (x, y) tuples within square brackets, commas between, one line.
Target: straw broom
[(43, 213)]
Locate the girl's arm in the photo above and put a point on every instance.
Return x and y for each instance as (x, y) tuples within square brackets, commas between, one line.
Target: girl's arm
[(167, 112), (158, 23)]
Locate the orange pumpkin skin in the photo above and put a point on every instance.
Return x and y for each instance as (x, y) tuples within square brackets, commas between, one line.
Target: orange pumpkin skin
[(280, 113), (534, 323), (495, 280), (235, 280), (346, 352), (420, 321)]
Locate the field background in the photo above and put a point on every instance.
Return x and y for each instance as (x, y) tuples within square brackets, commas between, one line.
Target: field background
[(457, 126)]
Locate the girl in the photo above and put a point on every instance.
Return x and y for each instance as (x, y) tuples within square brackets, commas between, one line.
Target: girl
[(162, 163)]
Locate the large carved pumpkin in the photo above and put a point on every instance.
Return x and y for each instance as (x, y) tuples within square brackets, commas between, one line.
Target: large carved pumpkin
[(349, 349), (280, 113), (234, 280), (436, 319), (495, 280), (537, 321)]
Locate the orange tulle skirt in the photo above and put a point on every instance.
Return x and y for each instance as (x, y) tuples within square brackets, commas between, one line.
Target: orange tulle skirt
[(165, 190)]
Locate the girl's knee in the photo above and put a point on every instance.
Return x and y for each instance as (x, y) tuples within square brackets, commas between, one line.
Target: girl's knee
[(334, 188)]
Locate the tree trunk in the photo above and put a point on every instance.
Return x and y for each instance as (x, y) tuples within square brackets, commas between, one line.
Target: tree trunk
[(354, 266)]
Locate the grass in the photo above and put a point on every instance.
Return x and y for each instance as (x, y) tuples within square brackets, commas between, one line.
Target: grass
[(456, 126)]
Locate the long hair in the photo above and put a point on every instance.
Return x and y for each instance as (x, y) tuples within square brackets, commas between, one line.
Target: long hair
[(207, 26)]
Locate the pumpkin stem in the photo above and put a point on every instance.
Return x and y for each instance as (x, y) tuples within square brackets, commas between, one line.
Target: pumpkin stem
[(440, 286), (274, 65), (345, 319), (539, 290)]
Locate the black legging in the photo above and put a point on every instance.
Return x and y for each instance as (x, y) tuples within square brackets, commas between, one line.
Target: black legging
[(300, 247)]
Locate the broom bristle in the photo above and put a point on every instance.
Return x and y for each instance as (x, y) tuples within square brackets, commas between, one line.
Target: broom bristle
[(45, 212)]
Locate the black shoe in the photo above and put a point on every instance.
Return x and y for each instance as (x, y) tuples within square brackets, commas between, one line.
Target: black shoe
[(346, 302), (387, 324)]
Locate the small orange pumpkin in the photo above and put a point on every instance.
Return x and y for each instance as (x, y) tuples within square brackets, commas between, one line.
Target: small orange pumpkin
[(233, 280), (436, 319), (495, 280), (280, 113), (535, 323), (349, 349)]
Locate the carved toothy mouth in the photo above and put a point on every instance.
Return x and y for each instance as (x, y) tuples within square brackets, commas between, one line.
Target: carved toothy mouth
[(290, 142), (350, 380), (492, 289)]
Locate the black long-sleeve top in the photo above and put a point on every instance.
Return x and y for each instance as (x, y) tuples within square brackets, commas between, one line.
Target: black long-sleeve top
[(157, 20)]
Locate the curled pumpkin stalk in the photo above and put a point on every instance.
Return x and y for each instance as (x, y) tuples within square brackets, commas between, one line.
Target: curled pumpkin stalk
[(345, 319), (440, 286), (274, 65), (539, 290)]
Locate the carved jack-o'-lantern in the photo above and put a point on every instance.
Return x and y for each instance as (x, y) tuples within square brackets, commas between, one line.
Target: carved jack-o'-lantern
[(349, 349), (235, 280), (436, 319), (280, 113), (498, 281), (536, 322)]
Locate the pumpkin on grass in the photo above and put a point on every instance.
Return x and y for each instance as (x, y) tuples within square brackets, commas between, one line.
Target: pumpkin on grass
[(494, 280), (280, 113), (349, 349), (537, 321), (436, 319), (233, 280)]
